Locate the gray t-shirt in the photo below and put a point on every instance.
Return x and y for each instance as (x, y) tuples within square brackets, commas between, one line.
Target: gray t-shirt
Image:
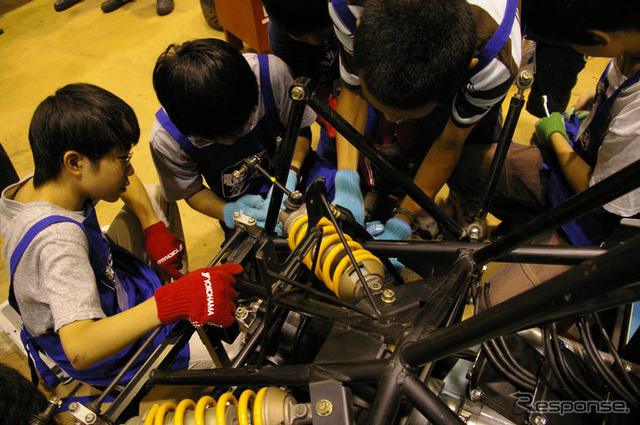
[(178, 173), (54, 283)]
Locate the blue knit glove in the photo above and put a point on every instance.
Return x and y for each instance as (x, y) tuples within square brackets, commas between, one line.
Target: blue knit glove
[(252, 205), (348, 194), (395, 229), (545, 127)]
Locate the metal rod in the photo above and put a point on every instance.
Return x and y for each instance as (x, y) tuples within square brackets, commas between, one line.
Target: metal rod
[(428, 403), (421, 250), (401, 179), (599, 194), (346, 372), (579, 288), (524, 80), (298, 92)]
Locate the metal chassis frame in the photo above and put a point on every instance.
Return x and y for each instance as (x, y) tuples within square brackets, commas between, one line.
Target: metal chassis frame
[(574, 292)]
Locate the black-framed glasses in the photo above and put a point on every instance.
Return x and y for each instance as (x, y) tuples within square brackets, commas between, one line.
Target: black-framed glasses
[(126, 159)]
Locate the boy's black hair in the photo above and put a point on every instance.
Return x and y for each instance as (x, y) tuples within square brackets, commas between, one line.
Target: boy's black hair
[(83, 118), (19, 398), (206, 87), (412, 52), (299, 17), (571, 20)]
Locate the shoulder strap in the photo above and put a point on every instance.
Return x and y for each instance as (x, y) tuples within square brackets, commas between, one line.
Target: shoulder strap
[(345, 15), (168, 125), (265, 84), (495, 44), (31, 234)]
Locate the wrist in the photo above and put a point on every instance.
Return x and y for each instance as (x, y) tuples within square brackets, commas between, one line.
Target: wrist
[(404, 215)]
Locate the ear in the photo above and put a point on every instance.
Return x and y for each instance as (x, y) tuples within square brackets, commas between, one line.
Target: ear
[(73, 162), (600, 38), (473, 62)]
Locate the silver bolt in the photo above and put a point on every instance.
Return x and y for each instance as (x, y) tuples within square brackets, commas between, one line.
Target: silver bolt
[(236, 214), (539, 420), (628, 368), (74, 406), (298, 93), (251, 221), (89, 418), (241, 313), (388, 296), (324, 407), (300, 410), (474, 234), (236, 174), (56, 401), (475, 394)]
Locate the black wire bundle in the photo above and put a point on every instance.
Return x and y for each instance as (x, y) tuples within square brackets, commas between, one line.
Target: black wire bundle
[(501, 357)]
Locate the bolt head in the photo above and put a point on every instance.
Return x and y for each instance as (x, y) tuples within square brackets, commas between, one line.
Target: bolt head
[(388, 296), (475, 394), (298, 93), (90, 417), (324, 407), (300, 410), (539, 420)]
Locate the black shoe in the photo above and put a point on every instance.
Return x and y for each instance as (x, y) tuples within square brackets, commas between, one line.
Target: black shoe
[(210, 14), (111, 5), (164, 7), (61, 5)]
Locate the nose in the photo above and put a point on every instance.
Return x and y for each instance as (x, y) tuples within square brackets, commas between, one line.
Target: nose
[(130, 170)]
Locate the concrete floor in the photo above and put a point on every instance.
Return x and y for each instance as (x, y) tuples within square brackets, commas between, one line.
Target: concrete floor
[(41, 50)]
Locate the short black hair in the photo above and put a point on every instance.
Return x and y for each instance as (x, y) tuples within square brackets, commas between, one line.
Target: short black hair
[(571, 20), (206, 87), (82, 118), (299, 17), (412, 52), (19, 398)]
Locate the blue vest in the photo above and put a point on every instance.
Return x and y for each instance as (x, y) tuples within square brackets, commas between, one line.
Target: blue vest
[(123, 282), (595, 227)]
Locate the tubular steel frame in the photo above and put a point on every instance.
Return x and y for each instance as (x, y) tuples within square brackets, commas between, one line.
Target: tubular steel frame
[(433, 336)]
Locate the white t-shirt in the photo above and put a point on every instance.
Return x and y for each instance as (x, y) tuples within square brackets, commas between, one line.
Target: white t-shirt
[(621, 145)]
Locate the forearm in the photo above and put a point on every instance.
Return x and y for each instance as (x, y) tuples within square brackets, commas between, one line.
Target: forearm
[(208, 203), (353, 108), (300, 152), (88, 342), (136, 198), (575, 169), (438, 164)]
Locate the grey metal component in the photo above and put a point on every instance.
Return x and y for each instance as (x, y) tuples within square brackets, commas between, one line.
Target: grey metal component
[(331, 403), (84, 415)]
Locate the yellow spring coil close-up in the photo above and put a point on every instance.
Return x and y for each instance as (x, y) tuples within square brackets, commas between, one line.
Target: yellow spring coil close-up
[(250, 410), (333, 261)]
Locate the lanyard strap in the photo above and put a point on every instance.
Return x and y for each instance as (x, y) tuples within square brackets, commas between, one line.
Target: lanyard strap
[(499, 39), (345, 15)]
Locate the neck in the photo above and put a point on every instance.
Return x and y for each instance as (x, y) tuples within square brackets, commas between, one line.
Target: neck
[(54, 192), (630, 58)]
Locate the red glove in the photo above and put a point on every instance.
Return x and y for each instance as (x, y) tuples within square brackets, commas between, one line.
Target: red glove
[(202, 296), (164, 250)]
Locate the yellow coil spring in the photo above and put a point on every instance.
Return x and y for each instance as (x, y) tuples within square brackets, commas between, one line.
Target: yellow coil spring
[(248, 402), (332, 260)]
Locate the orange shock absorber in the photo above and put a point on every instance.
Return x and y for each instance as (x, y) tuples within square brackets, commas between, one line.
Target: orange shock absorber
[(334, 266), (270, 406)]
